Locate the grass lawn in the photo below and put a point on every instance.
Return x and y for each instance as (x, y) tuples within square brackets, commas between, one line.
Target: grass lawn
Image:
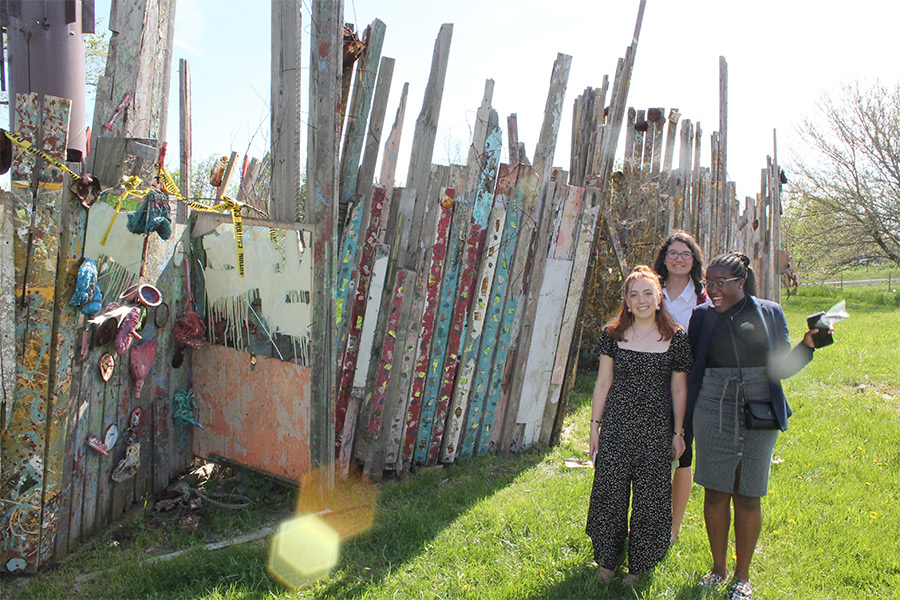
[(513, 526)]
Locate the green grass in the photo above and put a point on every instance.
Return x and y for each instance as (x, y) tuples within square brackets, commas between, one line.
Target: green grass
[(513, 526)]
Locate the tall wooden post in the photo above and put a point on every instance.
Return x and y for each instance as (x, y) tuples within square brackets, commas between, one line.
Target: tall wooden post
[(284, 200), (185, 139), (322, 183), (722, 206), (132, 95)]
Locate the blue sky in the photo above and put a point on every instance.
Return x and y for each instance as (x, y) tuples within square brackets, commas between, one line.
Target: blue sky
[(781, 57)]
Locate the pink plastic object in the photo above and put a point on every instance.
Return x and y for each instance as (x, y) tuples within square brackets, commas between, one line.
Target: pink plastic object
[(149, 295), (141, 361), (130, 293), (94, 442), (127, 331)]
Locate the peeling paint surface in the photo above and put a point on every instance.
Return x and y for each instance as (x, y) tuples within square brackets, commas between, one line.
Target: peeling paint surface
[(257, 415)]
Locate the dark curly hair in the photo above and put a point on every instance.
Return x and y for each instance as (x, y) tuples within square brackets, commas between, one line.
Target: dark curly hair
[(738, 265), (659, 263)]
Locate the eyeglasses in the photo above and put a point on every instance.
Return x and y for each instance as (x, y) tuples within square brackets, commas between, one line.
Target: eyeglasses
[(686, 255), (719, 284)]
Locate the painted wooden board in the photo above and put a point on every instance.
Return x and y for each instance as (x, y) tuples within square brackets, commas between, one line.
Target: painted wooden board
[(457, 324), (379, 392), (486, 439), (562, 242), (349, 244), (254, 413), (420, 369), (461, 407), (64, 378), (400, 355), (38, 197), (366, 175), (357, 314), (545, 336), (477, 413), (367, 339)]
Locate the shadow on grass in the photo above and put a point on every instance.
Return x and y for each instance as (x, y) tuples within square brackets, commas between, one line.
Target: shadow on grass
[(412, 513), (583, 583)]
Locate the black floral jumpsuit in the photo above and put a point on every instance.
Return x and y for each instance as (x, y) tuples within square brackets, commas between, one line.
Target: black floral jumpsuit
[(634, 458)]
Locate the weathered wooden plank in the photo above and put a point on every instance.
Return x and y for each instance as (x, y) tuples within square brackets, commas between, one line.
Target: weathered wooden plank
[(457, 323), (64, 378), (392, 146), (323, 192), (512, 128), (722, 162), (38, 201), (185, 137), (364, 179), (426, 124), (480, 410), (358, 114), (367, 338), (284, 116), (656, 156), (420, 369), (674, 115), (7, 307), (488, 439), (553, 109), (775, 235), (348, 272), (138, 72), (379, 392), (385, 396), (357, 313)]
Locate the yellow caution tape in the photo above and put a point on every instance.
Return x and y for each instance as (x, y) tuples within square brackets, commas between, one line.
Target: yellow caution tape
[(131, 183), (30, 149)]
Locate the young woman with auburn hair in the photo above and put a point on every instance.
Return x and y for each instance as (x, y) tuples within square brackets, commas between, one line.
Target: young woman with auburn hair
[(643, 353)]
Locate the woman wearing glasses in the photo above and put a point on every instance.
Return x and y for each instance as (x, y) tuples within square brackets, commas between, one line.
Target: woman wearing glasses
[(679, 263), (742, 352), (643, 352)]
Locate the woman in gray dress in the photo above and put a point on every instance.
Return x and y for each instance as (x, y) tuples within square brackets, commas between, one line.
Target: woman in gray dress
[(742, 352)]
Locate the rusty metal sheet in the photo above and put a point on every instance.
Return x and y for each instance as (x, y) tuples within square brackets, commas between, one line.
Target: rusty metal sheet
[(255, 411)]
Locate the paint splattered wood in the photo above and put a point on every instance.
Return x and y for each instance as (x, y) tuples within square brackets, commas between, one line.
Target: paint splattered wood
[(64, 381), (420, 369), (486, 440), (461, 409), (457, 325), (367, 339), (553, 109), (322, 169), (562, 241), (358, 114), (509, 200), (38, 200), (348, 272), (379, 392), (357, 313), (401, 358)]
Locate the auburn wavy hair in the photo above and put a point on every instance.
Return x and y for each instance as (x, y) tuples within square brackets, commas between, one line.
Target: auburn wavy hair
[(624, 319)]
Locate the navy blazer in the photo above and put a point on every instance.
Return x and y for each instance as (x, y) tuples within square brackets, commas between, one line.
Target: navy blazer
[(783, 361)]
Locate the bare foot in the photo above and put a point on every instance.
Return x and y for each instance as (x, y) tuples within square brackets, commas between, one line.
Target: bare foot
[(631, 579), (604, 575)]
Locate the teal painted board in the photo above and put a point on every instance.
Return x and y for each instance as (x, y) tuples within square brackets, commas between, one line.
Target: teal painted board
[(349, 269), (38, 197), (496, 377), (478, 406), (484, 198)]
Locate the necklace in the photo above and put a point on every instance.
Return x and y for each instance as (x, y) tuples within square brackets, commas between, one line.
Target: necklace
[(638, 338), (738, 311)]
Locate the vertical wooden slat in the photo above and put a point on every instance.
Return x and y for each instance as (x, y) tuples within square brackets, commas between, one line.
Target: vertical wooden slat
[(185, 138), (364, 180), (322, 183), (392, 147), (32, 429)]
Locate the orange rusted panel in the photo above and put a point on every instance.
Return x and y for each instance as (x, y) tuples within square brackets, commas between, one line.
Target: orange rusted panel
[(255, 411)]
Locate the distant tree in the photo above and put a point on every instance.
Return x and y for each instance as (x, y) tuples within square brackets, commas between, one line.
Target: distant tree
[(96, 48), (844, 197)]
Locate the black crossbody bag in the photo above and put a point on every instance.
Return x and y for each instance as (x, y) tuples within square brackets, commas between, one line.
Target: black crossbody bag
[(758, 414)]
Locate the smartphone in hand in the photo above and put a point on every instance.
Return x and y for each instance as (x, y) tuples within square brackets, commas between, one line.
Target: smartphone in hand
[(822, 337)]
